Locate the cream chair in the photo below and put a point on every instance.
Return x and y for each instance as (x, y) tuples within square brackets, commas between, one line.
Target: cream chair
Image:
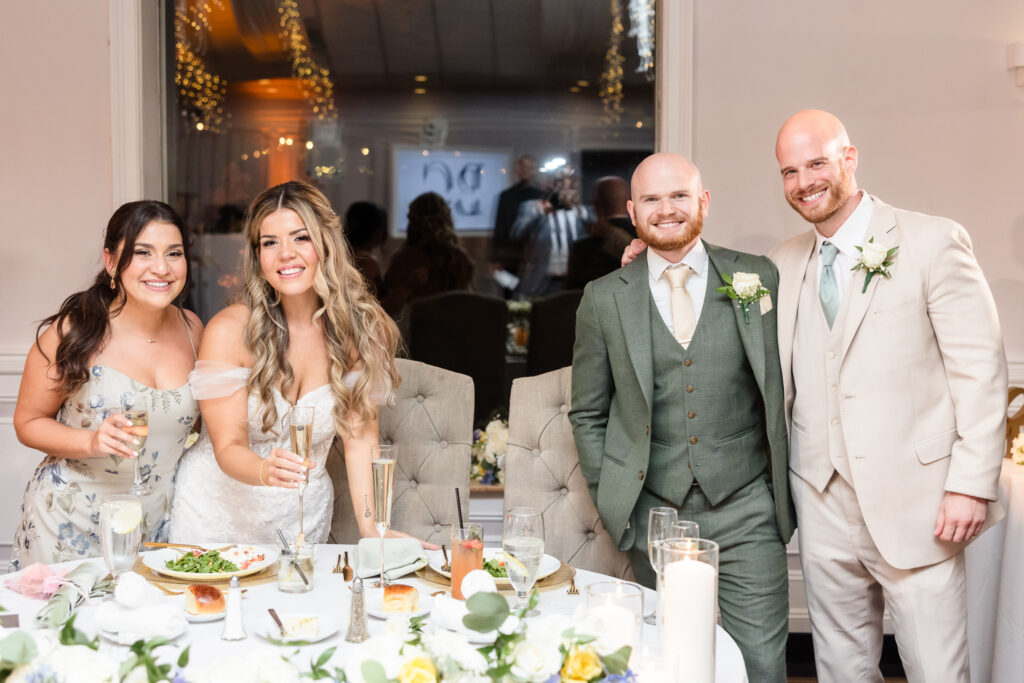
[(432, 425), (542, 470)]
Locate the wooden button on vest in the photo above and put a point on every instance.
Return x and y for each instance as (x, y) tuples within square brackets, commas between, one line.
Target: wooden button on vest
[(689, 388), (693, 439)]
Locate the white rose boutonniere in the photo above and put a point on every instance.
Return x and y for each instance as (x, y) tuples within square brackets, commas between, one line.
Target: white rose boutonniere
[(745, 288), (875, 260), (1017, 449)]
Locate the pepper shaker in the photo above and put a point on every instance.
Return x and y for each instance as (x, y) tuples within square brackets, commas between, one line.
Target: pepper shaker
[(357, 631), (234, 628)]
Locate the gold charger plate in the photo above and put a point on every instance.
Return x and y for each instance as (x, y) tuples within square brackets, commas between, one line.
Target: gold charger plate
[(560, 577), (263, 576)]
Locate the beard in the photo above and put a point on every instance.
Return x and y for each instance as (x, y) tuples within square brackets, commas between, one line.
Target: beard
[(694, 226), (838, 194)]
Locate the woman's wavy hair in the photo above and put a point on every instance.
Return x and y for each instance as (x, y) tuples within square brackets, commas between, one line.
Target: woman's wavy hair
[(357, 330), (82, 322)]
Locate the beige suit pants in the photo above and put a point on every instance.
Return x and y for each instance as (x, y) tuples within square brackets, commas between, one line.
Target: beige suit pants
[(849, 584)]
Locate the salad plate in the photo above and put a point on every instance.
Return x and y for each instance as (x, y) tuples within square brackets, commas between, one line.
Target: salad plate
[(192, 565), (494, 559)]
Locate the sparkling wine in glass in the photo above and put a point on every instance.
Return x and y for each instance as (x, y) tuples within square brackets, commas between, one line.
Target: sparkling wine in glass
[(384, 459), (120, 532), (522, 540), (659, 527), (139, 428), (300, 424)]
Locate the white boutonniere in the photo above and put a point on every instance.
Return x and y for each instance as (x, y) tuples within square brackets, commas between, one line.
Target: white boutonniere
[(875, 260), (745, 288), (1017, 449)]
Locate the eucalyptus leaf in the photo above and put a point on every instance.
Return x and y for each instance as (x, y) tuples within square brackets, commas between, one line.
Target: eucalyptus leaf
[(183, 658), (373, 672), (487, 611), (325, 656), (616, 662), (18, 648)]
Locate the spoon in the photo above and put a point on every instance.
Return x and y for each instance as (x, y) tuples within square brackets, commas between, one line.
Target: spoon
[(347, 572), (277, 620), (286, 550)]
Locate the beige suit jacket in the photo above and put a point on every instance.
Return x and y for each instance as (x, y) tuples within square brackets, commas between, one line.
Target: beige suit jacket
[(922, 381)]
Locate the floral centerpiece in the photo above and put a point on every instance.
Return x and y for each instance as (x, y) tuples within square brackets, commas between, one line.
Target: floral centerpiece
[(489, 447), (518, 327)]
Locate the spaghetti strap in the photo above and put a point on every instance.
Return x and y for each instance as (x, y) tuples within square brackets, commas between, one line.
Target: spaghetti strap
[(191, 343)]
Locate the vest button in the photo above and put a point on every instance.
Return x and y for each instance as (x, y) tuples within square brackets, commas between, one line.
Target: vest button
[(647, 430), (691, 415), (640, 475), (689, 388), (687, 362), (693, 439)]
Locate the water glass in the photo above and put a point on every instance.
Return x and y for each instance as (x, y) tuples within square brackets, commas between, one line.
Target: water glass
[(289, 580), (522, 540), (120, 532)]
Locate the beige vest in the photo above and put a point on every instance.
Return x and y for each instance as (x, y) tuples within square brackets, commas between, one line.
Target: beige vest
[(817, 448)]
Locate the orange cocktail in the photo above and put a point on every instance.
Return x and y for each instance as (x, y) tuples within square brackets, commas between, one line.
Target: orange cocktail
[(467, 554)]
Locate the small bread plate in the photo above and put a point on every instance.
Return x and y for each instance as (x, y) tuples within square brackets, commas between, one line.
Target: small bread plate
[(179, 600), (249, 558), (310, 627), (129, 638), (375, 608), (549, 564)]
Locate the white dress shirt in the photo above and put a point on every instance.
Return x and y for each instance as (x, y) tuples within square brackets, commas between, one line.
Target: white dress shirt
[(696, 258), (851, 234)]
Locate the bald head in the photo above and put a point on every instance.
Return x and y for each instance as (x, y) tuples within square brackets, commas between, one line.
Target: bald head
[(668, 204), (814, 124), (663, 165)]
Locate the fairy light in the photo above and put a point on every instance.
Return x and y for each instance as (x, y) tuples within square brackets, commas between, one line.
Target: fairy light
[(641, 27), (313, 78), (610, 91), (200, 92)]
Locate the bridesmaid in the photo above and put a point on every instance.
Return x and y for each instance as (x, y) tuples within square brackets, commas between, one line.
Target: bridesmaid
[(127, 333)]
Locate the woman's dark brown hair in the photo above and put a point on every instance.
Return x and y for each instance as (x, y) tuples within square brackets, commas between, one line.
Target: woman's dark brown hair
[(83, 320)]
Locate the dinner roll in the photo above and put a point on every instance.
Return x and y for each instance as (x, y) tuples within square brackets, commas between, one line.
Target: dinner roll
[(399, 597), (201, 598)]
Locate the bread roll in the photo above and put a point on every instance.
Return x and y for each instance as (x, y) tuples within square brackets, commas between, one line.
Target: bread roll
[(399, 597), (201, 598)]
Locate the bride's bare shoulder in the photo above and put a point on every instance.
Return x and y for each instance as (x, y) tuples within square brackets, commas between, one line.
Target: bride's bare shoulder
[(224, 337)]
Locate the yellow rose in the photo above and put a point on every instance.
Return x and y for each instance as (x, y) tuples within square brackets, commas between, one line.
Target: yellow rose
[(418, 670), (581, 665)]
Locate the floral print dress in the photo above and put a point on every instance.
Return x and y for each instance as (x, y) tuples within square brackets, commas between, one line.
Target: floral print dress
[(60, 513)]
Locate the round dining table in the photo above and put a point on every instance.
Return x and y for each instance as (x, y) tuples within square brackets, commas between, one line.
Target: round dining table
[(332, 595)]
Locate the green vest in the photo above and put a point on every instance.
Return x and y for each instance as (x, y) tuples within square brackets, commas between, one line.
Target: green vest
[(707, 424)]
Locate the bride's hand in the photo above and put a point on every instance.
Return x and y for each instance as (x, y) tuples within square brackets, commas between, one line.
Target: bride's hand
[(111, 439), (284, 468), (401, 534)]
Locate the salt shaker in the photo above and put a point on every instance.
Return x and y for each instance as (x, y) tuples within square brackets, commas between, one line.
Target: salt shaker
[(357, 632), (234, 629)]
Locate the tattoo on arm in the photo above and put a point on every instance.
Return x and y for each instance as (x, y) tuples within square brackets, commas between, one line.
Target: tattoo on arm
[(366, 506)]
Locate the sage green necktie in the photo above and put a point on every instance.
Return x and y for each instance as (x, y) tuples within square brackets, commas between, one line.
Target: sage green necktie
[(828, 290)]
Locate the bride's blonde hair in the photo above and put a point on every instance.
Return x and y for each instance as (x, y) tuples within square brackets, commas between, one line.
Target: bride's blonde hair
[(357, 330)]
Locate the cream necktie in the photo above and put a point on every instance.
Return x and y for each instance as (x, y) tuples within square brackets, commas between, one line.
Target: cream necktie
[(683, 320)]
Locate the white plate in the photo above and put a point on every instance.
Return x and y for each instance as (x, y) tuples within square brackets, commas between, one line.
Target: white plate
[(549, 564), (329, 625), (125, 638), (197, 618), (157, 562), (374, 607)]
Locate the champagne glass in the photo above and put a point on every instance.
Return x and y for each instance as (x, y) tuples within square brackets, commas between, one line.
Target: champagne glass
[(120, 532), (522, 540), (139, 428), (683, 528), (383, 461), (659, 527), (300, 424)]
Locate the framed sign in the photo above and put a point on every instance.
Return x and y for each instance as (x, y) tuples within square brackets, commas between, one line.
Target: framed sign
[(470, 180)]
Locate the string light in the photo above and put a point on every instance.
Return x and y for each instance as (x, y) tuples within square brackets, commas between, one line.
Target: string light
[(200, 93), (641, 23), (611, 75), (314, 79)]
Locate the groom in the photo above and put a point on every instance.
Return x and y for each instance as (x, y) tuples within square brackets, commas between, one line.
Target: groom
[(677, 401)]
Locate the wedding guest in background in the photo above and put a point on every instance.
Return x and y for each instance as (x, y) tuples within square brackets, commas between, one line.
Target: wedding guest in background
[(126, 334), (600, 252), (307, 332), (506, 252), (366, 229), (431, 261)]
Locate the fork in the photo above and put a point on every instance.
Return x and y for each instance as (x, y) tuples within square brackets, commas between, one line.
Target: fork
[(447, 566), (337, 566), (573, 590)]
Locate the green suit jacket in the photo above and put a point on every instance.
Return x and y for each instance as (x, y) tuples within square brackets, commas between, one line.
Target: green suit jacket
[(613, 381)]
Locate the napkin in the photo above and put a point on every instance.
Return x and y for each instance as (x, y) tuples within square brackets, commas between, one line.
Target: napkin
[(36, 581), (401, 556), (84, 582), (139, 610)]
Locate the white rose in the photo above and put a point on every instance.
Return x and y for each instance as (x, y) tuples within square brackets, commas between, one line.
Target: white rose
[(81, 664), (610, 627), (448, 647), (497, 437), (136, 675), (746, 285), (873, 255), (380, 649), (398, 629), (535, 661), (549, 628), (1017, 449)]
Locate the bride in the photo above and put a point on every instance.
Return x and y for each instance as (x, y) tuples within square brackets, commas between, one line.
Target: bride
[(307, 333)]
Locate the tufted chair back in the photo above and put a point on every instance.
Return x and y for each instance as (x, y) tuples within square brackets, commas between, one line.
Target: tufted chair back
[(542, 470), (432, 425)]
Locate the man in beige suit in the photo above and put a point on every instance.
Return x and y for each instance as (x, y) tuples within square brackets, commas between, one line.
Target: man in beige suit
[(895, 383)]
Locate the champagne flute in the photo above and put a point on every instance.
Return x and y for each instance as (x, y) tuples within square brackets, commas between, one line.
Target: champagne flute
[(522, 540), (383, 461), (659, 527), (300, 424), (120, 532), (139, 428)]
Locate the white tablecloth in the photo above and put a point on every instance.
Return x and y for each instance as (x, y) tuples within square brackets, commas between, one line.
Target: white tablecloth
[(995, 598), (330, 595)]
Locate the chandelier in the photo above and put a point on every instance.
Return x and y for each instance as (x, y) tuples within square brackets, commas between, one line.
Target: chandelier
[(314, 80), (200, 92)]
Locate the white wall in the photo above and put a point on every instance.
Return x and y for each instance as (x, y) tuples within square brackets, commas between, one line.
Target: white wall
[(923, 88)]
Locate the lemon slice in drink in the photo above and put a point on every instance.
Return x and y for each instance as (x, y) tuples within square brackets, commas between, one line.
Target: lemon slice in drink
[(125, 517), (513, 561)]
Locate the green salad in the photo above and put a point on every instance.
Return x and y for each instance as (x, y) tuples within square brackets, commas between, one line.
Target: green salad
[(496, 568), (196, 562)]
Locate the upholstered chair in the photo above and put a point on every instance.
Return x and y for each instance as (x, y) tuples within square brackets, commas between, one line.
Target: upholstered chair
[(431, 422), (542, 470)]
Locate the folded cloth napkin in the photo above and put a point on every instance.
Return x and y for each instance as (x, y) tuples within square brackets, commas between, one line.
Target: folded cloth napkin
[(84, 581), (140, 623), (36, 581), (401, 556), (134, 591)]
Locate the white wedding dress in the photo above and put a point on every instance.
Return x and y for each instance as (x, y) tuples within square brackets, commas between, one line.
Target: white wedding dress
[(209, 506)]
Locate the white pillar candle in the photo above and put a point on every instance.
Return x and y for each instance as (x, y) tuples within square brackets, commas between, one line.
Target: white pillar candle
[(688, 634)]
